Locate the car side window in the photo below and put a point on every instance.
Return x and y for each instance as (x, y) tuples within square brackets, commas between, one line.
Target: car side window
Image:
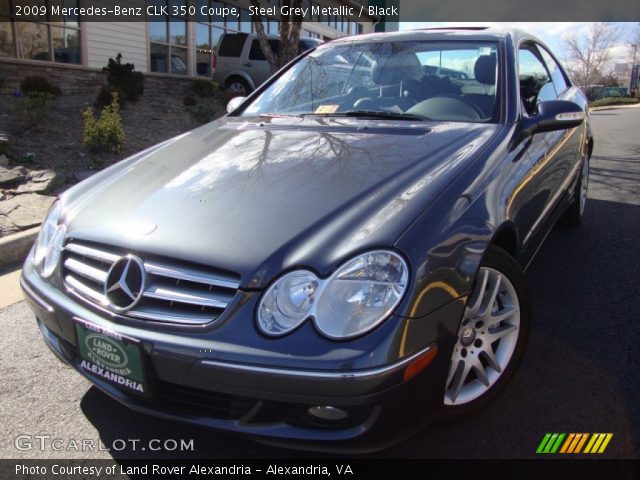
[(255, 52), (535, 82), (558, 78)]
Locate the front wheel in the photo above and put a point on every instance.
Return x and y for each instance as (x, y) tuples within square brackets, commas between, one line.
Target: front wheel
[(575, 211), (492, 335)]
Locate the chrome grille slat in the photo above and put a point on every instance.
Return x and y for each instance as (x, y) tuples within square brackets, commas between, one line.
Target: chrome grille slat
[(185, 296), (84, 290), (87, 271), (159, 316), (91, 252), (174, 293), (190, 275)]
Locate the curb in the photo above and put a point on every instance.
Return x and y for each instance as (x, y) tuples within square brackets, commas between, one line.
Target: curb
[(14, 248), (614, 107)]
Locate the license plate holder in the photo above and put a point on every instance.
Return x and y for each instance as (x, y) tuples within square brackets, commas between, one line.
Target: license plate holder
[(111, 357)]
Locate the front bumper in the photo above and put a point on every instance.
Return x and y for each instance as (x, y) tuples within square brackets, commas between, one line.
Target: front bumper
[(269, 402)]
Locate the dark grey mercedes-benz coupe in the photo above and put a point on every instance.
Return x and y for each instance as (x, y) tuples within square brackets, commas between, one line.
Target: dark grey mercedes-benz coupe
[(337, 261)]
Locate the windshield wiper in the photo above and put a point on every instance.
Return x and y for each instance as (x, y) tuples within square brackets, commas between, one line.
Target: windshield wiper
[(277, 115), (371, 114)]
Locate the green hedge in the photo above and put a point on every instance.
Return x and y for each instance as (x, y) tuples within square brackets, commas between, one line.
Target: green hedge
[(605, 102)]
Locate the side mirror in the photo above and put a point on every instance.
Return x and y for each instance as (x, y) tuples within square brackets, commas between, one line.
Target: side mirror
[(552, 115), (234, 103), (557, 115)]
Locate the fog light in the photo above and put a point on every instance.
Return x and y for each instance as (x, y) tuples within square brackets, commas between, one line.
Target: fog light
[(327, 413)]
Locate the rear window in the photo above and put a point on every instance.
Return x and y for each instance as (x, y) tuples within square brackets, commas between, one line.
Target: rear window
[(231, 44)]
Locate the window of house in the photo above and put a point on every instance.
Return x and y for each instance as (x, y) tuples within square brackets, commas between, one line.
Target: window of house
[(274, 27), (209, 6), (7, 44), (207, 31), (168, 37), (56, 39), (204, 49), (245, 21)]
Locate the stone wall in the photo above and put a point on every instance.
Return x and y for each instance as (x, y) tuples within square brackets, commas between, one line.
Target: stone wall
[(71, 80), (165, 85), (74, 80)]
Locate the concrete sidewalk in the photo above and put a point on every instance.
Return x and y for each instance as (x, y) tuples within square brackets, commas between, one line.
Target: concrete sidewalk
[(10, 291)]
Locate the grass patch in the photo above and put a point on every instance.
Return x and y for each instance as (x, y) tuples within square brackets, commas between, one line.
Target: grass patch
[(606, 102)]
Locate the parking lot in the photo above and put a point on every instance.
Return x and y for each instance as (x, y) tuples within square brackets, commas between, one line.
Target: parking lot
[(580, 373)]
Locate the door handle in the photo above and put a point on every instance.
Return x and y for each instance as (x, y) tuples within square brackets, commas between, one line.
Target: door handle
[(247, 64)]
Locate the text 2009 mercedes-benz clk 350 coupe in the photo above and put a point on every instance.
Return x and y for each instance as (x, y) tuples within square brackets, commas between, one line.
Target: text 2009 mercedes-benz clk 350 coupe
[(340, 259)]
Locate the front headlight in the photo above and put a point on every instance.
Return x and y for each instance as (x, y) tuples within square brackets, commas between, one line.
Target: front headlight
[(49, 242), (356, 298)]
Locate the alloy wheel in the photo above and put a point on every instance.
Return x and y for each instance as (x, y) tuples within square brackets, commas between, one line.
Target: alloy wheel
[(486, 340), (237, 87)]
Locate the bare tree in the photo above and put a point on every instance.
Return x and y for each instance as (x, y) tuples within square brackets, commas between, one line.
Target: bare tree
[(588, 56), (289, 35)]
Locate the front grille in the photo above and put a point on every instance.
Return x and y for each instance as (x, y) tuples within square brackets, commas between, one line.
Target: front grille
[(174, 293)]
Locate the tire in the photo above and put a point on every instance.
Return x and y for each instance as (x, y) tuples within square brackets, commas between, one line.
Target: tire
[(575, 211), (492, 337), (238, 85)]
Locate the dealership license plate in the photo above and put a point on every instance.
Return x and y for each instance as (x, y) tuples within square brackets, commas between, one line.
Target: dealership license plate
[(112, 358)]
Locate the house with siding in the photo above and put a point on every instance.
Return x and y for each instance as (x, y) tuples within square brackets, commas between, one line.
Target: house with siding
[(169, 50)]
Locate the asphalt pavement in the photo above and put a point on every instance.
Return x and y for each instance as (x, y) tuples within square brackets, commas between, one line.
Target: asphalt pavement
[(580, 373)]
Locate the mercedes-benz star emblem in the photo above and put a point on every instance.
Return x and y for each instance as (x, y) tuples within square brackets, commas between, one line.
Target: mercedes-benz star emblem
[(125, 283)]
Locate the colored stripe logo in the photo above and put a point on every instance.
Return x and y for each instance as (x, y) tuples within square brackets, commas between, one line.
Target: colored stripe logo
[(574, 443)]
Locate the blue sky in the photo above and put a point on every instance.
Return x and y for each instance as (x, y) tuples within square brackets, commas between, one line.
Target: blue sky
[(550, 32)]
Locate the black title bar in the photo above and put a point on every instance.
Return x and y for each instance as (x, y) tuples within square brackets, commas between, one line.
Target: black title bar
[(321, 10)]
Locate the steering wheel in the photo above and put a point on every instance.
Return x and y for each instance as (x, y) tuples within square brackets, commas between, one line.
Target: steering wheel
[(366, 103), (475, 108), (446, 108)]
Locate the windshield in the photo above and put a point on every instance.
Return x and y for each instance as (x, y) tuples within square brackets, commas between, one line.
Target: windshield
[(423, 80)]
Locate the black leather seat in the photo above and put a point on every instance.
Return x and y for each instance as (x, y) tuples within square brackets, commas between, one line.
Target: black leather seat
[(434, 86), (397, 76), (485, 73)]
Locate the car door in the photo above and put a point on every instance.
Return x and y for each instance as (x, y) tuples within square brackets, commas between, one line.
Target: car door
[(257, 65), (572, 139), (552, 153), (229, 56)]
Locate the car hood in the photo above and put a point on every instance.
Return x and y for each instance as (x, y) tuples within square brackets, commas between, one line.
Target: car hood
[(258, 197)]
